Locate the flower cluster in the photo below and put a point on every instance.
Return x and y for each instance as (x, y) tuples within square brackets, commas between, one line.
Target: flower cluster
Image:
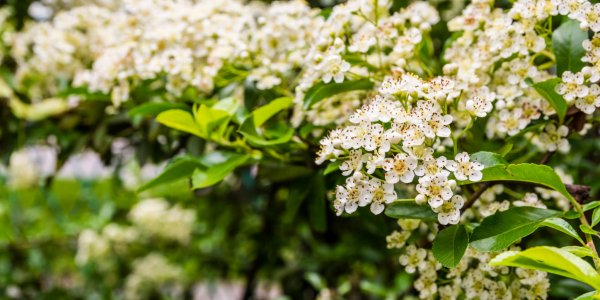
[(155, 217), (150, 218), (115, 48), (153, 271), (393, 139)]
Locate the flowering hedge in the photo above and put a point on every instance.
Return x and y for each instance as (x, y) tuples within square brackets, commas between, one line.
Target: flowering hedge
[(471, 124)]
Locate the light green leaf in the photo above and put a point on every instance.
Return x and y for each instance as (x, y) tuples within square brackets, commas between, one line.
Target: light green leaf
[(587, 229), (179, 168), (488, 159), (567, 42), (211, 121), (531, 173), (180, 120), (251, 130), (409, 209), (596, 217), (590, 206), (322, 90), (579, 251), (450, 245), (562, 226), (502, 229), (265, 112), (593, 295), (551, 260), (154, 108), (546, 89), (205, 178)]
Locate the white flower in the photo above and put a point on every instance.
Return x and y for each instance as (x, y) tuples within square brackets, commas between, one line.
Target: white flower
[(572, 86), (399, 168), (481, 103), (588, 104), (431, 166), (397, 239), (511, 122), (553, 138), (353, 164), (434, 189), (437, 125), (334, 67), (413, 258), (449, 212), (464, 168), (378, 193)]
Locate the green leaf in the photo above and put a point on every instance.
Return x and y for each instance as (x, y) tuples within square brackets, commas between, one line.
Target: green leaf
[(593, 295), (265, 112), (332, 167), (205, 178), (580, 251), (450, 245), (567, 42), (587, 229), (505, 149), (154, 108), (488, 159), (596, 217), (562, 226), (502, 229), (251, 130), (551, 260), (212, 122), (179, 168), (409, 209), (180, 120), (590, 206), (530, 173), (322, 90), (546, 89)]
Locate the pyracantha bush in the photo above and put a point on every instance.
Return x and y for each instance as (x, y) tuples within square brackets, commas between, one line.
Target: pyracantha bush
[(473, 125)]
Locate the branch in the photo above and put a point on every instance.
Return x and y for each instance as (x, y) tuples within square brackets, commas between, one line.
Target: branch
[(476, 195)]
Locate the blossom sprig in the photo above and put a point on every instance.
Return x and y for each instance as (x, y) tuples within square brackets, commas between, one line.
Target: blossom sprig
[(391, 141)]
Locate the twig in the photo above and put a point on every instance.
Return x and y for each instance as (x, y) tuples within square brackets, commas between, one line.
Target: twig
[(476, 195)]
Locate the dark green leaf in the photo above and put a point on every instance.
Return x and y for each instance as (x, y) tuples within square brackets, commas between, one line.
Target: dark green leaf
[(450, 245), (502, 229), (530, 173), (566, 44), (322, 90), (546, 89), (562, 226), (408, 209), (332, 167)]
